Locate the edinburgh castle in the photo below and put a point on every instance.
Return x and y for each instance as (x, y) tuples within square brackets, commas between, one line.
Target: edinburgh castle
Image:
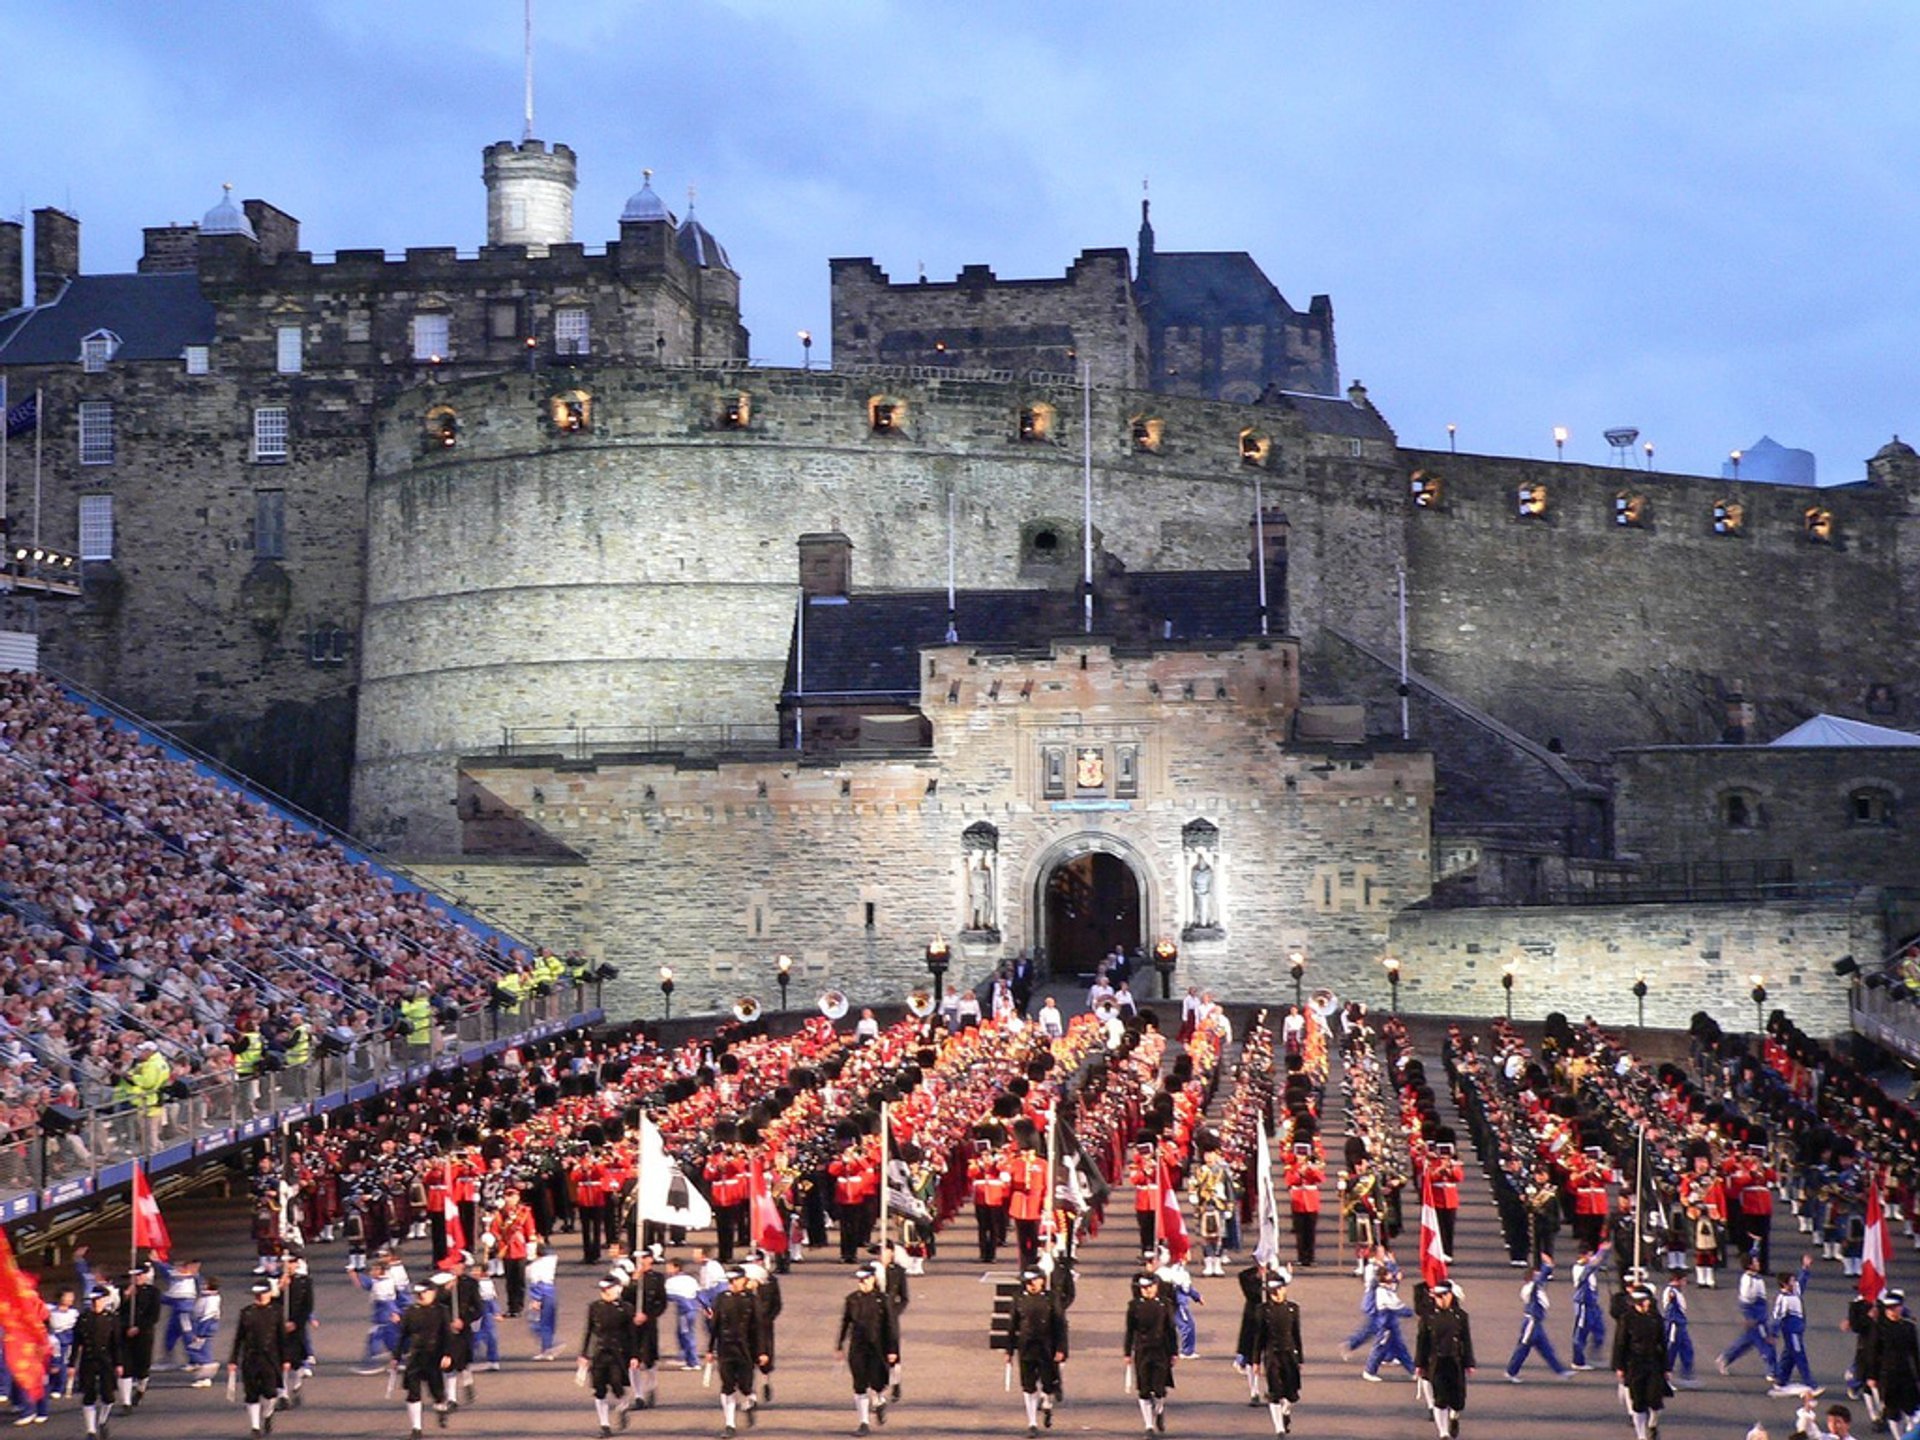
[(1052, 615)]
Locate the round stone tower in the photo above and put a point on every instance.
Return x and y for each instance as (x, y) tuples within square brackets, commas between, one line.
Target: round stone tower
[(529, 194)]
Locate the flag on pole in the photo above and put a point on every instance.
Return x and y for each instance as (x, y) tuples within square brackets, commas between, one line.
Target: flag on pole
[(1433, 1258), (23, 1316), (450, 1213), (769, 1231), (149, 1230), (21, 417), (666, 1196), (1173, 1225), (1268, 1249), (1873, 1247)]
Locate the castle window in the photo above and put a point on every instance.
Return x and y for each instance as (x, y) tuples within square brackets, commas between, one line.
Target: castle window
[(503, 320), (443, 428), (1148, 432), (1729, 517), (1530, 500), (1426, 490), (97, 349), (1740, 810), (430, 338), (1816, 522), (736, 411), (270, 524), (1870, 806), (571, 412), (286, 349), (1629, 509), (198, 358), (1254, 448), (96, 527), (570, 331), (270, 435), (886, 416), (1036, 422), (96, 432)]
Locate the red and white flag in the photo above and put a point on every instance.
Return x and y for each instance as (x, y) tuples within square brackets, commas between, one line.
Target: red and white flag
[(1173, 1225), (149, 1230), (1873, 1248), (763, 1216), (450, 1213), (1433, 1257)]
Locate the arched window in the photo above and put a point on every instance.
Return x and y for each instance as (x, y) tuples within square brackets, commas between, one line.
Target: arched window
[(443, 428), (886, 415), (1530, 500), (1817, 524), (1148, 433), (1426, 490), (571, 412), (1036, 422), (1740, 810), (1255, 448)]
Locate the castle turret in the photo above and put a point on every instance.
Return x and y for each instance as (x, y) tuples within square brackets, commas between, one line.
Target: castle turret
[(529, 194)]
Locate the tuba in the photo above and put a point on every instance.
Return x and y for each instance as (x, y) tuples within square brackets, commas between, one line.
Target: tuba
[(920, 1004), (746, 1009), (834, 1004)]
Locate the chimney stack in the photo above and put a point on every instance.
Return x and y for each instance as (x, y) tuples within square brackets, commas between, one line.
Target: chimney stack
[(56, 252), (13, 254)]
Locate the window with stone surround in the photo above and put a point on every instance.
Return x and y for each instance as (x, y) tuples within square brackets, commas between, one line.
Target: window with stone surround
[(1631, 509), (570, 331), (1426, 490), (430, 331), (270, 524), (287, 357), (1740, 810), (97, 349), (1816, 523), (1729, 517), (1871, 806), (1530, 500), (96, 527), (270, 429), (503, 320), (1149, 433), (96, 432)]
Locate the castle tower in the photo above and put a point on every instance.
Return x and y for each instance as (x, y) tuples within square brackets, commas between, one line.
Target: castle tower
[(529, 194)]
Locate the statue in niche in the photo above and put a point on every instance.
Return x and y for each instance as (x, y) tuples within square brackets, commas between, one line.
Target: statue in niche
[(1206, 909), (980, 907)]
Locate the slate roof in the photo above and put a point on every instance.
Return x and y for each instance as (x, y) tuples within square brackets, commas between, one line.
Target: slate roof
[(1213, 287), (870, 644), (155, 316), (1332, 415)]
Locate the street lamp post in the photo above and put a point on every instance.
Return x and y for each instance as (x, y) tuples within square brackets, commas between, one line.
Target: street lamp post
[(806, 349), (1640, 998), (1734, 456), (1506, 983), (1165, 954), (1560, 442), (1759, 1002), (666, 990), (1297, 964), (783, 977), (1392, 964), (1452, 432), (938, 955)]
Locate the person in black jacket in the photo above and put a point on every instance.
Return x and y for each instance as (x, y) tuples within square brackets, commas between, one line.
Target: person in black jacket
[(893, 1279), (1277, 1351), (139, 1324), (1150, 1345), (1443, 1357), (257, 1354), (1893, 1362), (296, 1316), (870, 1339), (95, 1360), (465, 1310), (649, 1304), (1640, 1362), (736, 1348), (1037, 1339), (425, 1354), (1253, 1294), (604, 1350)]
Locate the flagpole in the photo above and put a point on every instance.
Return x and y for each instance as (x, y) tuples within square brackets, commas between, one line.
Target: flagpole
[(38, 406), (133, 1250), (885, 1179), (1639, 1197), (1053, 1159), (639, 1182), (1086, 487)]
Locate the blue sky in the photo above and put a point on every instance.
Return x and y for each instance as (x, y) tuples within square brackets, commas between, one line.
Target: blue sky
[(1697, 219)]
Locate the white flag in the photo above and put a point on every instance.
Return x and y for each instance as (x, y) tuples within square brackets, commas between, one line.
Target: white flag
[(1267, 1252), (666, 1196)]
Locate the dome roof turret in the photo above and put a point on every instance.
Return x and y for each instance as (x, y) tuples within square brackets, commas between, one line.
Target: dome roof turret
[(227, 218)]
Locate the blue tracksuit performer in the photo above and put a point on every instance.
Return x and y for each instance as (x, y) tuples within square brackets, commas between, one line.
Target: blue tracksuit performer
[(1673, 1316), (1757, 1334), (1589, 1316), (383, 1324), (1790, 1323), (1389, 1345), (1533, 1324)]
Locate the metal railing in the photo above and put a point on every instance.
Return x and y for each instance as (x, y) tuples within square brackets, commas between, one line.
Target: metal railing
[(584, 741), (43, 1170)]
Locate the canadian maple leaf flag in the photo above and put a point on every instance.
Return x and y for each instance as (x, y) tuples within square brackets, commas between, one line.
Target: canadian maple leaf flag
[(1433, 1256), (1173, 1225), (768, 1229), (149, 1229), (450, 1213), (1873, 1247)]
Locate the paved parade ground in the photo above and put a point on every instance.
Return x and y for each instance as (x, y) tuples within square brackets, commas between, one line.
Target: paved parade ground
[(955, 1385)]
